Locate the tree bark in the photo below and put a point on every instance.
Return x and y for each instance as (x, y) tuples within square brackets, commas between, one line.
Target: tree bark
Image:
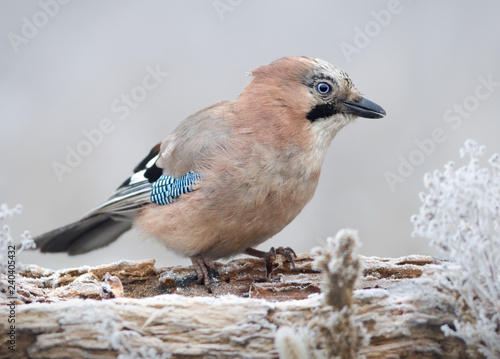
[(133, 309)]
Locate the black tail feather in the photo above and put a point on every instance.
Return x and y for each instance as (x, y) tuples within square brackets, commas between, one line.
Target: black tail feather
[(110, 220), (83, 236)]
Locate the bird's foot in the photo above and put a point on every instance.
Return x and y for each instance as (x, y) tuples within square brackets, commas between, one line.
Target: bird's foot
[(270, 256), (205, 269)]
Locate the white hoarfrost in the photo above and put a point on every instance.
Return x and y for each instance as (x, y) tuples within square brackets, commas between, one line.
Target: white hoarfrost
[(460, 214)]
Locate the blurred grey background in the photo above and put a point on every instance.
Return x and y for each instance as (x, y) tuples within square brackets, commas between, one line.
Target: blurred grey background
[(66, 66)]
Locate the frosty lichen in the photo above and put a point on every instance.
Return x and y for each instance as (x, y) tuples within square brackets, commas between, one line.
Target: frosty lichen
[(460, 214), (118, 339), (112, 331), (331, 333)]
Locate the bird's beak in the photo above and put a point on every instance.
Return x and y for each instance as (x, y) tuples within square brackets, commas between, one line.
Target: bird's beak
[(363, 108)]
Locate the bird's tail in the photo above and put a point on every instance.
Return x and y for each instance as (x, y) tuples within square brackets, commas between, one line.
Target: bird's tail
[(101, 226), (110, 220), (84, 235)]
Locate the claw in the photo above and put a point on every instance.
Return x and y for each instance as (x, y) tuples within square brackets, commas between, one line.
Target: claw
[(288, 253), (205, 269), (270, 257)]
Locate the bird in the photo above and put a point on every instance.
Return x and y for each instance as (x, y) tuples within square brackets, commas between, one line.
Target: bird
[(233, 174)]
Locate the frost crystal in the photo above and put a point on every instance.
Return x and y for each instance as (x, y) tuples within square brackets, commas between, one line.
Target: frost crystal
[(460, 214)]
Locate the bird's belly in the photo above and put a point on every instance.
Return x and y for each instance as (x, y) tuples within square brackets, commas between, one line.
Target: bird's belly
[(215, 225)]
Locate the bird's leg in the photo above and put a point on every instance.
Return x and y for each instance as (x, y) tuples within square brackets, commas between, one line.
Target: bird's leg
[(205, 269), (270, 256)]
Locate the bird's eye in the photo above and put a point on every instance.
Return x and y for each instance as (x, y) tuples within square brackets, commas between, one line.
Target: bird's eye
[(323, 88)]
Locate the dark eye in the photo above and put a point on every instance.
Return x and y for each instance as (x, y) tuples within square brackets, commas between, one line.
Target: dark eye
[(323, 88)]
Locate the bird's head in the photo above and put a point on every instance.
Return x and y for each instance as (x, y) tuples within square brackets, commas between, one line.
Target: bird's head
[(299, 98), (325, 89), (332, 93), (297, 95)]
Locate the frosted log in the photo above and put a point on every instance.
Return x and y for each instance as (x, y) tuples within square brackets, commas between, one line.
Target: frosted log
[(133, 310)]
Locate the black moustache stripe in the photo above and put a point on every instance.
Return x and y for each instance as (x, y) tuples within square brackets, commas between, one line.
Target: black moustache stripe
[(322, 111)]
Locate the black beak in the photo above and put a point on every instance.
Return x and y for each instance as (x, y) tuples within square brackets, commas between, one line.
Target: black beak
[(363, 108)]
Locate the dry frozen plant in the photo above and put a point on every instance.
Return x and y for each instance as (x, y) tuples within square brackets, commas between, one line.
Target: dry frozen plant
[(331, 333), (460, 214), (341, 267), (9, 250), (6, 240)]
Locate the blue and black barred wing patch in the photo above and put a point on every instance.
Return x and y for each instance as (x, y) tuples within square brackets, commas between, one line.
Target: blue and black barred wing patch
[(167, 188)]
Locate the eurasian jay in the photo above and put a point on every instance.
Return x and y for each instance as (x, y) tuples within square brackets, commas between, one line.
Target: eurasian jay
[(232, 175)]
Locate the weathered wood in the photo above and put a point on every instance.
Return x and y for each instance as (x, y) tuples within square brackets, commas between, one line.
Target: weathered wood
[(133, 309)]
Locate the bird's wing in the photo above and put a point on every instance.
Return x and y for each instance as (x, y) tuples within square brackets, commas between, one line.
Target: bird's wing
[(133, 193), (180, 156), (196, 141)]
